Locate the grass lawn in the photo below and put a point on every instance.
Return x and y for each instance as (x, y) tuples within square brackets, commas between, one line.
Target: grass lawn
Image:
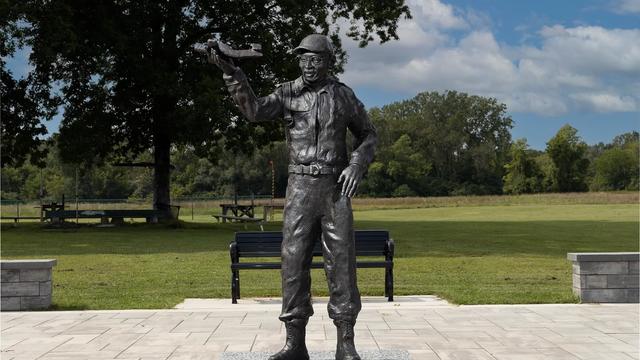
[(466, 254)]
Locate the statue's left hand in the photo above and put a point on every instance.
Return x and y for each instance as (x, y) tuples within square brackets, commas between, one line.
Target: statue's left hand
[(226, 65), (350, 179)]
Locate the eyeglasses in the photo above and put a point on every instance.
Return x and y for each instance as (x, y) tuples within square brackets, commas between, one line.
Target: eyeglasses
[(315, 60)]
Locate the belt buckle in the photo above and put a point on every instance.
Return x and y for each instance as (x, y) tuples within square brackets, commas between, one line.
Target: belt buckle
[(315, 169)]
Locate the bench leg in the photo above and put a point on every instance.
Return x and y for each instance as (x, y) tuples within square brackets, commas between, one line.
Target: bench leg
[(388, 284), (235, 286)]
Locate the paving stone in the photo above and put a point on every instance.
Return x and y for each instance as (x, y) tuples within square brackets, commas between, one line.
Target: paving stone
[(45, 288), (156, 351), (10, 303), (20, 289), (558, 332), (610, 295), (35, 302), (464, 354), (596, 282), (35, 275), (9, 275), (609, 267), (623, 281)]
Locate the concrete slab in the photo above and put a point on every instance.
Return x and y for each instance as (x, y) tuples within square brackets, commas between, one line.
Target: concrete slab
[(422, 328)]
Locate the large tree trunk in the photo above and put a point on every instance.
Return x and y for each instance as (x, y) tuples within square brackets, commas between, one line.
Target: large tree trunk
[(161, 174), (164, 49)]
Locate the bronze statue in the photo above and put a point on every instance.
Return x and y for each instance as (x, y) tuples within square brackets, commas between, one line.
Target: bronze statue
[(317, 110)]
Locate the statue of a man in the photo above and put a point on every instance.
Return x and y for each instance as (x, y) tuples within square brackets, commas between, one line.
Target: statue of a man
[(317, 110)]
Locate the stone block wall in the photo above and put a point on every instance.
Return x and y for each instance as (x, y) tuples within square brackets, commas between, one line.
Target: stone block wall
[(606, 277), (26, 284)]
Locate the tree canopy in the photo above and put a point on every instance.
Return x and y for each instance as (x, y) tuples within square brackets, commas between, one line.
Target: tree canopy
[(440, 144), (129, 80), (617, 167), (523, 173), (568, 153)]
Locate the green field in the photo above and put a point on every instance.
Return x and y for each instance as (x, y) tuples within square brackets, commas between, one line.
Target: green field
[(468, 254)]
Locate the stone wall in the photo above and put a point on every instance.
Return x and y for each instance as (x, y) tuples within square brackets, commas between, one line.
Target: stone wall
[(26, 284), (606, 277)]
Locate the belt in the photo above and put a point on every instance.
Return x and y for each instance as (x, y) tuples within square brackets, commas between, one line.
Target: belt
[(314, 170)]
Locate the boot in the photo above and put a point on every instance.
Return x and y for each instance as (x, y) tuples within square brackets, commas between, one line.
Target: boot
[(345, 350), (294, 348)]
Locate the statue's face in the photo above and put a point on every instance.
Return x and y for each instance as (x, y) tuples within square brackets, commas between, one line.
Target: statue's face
[(314, 66)]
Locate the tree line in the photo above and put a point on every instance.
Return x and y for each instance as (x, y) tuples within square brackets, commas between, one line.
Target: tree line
[(436, 144)]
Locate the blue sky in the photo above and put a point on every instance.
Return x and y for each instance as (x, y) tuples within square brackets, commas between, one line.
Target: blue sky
[(552, 62)]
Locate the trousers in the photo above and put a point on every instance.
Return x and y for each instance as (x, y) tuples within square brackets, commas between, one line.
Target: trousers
[(316, 211)]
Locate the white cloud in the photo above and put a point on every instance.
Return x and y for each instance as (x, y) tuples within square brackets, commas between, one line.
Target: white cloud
[(433, 13), (587, 68), (627, 6), (606, 102)]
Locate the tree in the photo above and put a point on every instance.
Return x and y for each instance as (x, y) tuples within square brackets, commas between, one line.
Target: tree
[(21, 106), (130, 81), (617, 167), (462, 140), (567, 151), (626, 139), (400, 171), (523, 176)]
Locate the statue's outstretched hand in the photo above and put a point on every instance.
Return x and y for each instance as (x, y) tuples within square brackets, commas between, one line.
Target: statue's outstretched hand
[(227, 66), (350, 179)]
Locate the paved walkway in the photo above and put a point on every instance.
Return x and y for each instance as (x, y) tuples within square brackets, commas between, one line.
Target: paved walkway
[(425, 326)]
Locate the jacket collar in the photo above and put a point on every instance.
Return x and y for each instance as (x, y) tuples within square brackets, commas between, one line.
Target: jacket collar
[(299, 86)]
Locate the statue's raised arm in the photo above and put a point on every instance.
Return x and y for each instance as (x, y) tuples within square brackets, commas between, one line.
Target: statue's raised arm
[(252, 107)]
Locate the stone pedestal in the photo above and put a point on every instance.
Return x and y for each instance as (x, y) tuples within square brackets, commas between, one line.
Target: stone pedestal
[(323, 355), (606, 277), (26, 284)]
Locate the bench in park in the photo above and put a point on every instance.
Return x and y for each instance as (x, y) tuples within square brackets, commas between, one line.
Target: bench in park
[(242, 219), (18, 218), (116, 216), (267, 244)]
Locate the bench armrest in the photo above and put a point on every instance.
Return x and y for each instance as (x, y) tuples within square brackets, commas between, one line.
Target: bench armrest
[(233, 252), (390, 249)]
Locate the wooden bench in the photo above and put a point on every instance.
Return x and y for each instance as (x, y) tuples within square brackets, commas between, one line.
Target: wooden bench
[(268, 244), (18, 218), (116, 216), (243, 219)]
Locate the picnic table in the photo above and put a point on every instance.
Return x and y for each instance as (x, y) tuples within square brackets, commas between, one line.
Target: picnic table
[(238, 210), (239, 213), (116, 216)]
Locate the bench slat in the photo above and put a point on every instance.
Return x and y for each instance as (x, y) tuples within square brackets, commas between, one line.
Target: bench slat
[(314, 265)]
